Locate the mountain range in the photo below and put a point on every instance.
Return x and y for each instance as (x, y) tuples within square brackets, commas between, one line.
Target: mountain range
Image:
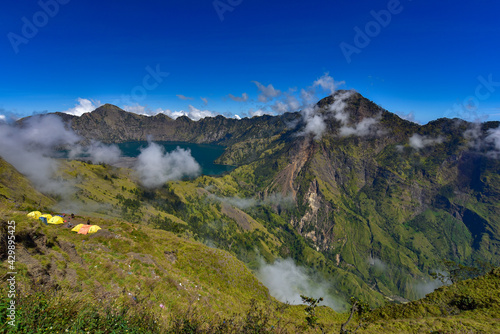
[(365, 201)]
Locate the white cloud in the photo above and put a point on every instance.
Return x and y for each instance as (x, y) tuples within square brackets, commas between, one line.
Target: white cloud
[(266, 93), (286, 282), (280, 107), (366, 127), (419, 142), (259, 112), (205, 100), (493, 138), (193, 113), (96, 152), (327, 83), (315, 125), (29, 149), (289, 103), (242, 98), (155, 166), (172, 114), (197, 114), (137, 109), (3, 119), (315, 121), (409, 117), (83, 106), (307, 96), (237, 117), (182, 97)]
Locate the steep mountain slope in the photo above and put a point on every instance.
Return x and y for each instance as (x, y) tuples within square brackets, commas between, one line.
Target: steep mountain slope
[(379, 208), (17, 191)]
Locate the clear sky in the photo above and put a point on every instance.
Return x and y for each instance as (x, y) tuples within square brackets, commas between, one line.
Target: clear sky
[(429, 58)]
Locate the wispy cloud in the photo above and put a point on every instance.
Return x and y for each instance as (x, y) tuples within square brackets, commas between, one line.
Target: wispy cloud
[(259, 112), (185, 98), (242, 98), (419, 142), (267, 93), (327, 83), (493, 138), (137, 109), (30, 148), (96, 152), (245, 203)]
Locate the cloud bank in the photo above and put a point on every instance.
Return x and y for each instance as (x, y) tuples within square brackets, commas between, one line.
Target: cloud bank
[(96, 152), (287, 281), (155, 166), (30, 149)]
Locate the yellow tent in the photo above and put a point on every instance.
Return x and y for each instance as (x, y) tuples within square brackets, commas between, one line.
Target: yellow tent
[(34, 214), (94, 229), (91, 229), (56, 220), (48, 216), (77, 228)]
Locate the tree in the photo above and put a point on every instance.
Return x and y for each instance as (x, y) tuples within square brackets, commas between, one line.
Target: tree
[(359, 308), (311, 317)]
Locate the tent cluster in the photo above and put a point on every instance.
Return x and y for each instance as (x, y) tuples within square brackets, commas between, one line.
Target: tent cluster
[(85, 229), (57, 220), (46, 218)]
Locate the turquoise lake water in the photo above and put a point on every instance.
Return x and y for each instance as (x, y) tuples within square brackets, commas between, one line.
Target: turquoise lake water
[(204, 154)]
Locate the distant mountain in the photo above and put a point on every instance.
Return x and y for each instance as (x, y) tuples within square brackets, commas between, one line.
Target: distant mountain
[(111, 124)]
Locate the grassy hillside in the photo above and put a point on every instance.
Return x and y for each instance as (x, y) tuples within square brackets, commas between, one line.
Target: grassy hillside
[(17, 192), (136, 268), (471, 306)]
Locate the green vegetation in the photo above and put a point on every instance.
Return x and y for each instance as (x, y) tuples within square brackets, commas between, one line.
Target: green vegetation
[(370, 215)]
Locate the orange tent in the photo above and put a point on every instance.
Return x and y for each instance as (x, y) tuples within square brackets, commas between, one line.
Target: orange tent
[(84, 229)]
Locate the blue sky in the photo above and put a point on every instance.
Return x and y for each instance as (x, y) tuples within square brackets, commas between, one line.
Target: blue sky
[(431, 59)]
